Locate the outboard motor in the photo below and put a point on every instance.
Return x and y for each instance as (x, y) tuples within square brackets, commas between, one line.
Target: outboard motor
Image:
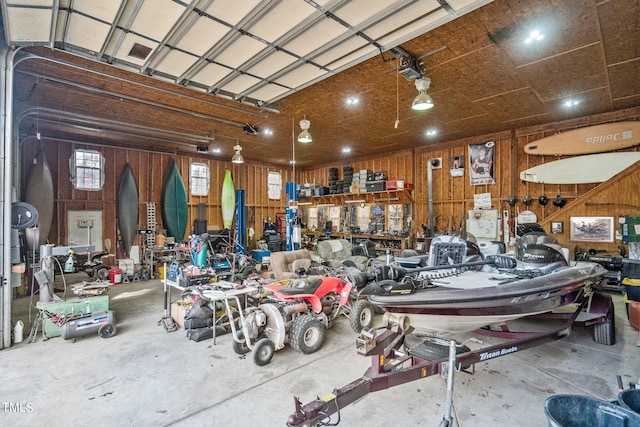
[(540, 252)]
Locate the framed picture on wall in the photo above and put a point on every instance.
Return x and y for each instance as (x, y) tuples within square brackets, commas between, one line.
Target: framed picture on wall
[(557, 227), (592, 229)]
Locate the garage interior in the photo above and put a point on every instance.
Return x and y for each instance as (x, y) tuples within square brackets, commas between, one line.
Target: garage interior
[(229, 87)]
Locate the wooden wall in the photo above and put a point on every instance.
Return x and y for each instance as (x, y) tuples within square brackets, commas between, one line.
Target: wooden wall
[(148, 168), (454, 196)]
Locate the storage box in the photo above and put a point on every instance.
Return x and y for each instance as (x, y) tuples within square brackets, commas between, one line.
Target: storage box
[(375, 186), (321, 191), (630, 268), (126, 265), (258, 255), (631, 289), (178, 311), (394, 184), (408, 186)]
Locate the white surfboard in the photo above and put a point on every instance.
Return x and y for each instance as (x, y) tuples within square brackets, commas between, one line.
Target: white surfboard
[(581, 169)]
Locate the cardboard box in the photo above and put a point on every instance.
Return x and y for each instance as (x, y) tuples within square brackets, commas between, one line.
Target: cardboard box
[(178, 311), (126, 265)]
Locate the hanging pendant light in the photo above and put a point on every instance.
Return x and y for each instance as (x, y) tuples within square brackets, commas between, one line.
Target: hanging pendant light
[(422, 101), (305, 136), (237, 158)]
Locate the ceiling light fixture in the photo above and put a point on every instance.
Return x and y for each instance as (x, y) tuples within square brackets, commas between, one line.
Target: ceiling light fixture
[(432, 132), (305, 136), (534, 36), (571, 103), (422, 101), (346, 149), (267, 132), (352, 100), (237, 158)]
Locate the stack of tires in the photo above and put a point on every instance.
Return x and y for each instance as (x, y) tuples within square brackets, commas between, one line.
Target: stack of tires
[(333, 181), (347, 178)]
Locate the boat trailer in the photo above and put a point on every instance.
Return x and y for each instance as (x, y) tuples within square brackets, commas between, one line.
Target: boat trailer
[(391, 367)]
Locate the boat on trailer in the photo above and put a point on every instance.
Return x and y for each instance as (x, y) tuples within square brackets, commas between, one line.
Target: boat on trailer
[(452, 296)]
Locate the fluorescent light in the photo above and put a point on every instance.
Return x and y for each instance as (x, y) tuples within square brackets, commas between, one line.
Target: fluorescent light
[(324, 205), (387, 199), (304, 203), (354, 201)]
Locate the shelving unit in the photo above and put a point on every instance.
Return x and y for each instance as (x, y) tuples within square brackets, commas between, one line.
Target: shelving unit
[(387, 196), (395, 243)]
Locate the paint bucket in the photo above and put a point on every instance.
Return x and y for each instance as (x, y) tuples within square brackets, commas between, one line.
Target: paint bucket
[(115, 276), (18, 332)]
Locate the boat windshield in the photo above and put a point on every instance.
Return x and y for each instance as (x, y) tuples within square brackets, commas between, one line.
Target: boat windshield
[(539, 248)]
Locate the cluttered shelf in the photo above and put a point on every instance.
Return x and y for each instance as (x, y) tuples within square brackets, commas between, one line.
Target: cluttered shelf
[(383, 242), (399, 195)]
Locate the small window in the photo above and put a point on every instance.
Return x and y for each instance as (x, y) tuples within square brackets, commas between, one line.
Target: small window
[(87, 170), (199, 179)]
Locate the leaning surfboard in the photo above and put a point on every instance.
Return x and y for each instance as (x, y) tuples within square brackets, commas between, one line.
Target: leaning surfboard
[(587, 169), (174, 202), (39, 193), (228, 202), (588, 140), (128, 208)]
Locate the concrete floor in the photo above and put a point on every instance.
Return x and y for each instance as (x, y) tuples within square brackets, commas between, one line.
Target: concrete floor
[(144, 376)]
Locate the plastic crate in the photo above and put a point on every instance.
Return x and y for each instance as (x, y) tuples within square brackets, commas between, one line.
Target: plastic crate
[(631, 268)]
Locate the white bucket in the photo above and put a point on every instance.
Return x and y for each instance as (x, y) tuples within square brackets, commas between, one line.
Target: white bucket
[(17, 332)]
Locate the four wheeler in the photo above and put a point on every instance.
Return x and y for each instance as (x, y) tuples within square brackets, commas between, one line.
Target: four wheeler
[(299, 313)]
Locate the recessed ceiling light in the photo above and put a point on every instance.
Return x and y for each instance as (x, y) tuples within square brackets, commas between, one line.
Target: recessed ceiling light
[(215, 150), (292, 162), (432, 132), (534, 36), (352, 100), (267, 132), (346, 150), (571, 103)]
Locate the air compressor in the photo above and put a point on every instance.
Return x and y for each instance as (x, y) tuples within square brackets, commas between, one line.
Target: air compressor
[(102, 323)]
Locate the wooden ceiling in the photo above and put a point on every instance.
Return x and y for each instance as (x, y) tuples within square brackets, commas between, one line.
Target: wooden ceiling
[(484, 79)]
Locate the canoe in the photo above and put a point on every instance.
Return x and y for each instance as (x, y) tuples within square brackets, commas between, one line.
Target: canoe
[(39, 193), (128, 206), (173, 203)]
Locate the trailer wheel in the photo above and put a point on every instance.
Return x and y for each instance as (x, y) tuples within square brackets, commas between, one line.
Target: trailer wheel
[(307, 334), (361, 315), (241, 348), (101, 272), (605, 333), (107, 330), (263, 351), (424, 348)]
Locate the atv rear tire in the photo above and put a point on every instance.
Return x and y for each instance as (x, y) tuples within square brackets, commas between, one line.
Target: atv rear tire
[(307, 334), (361, 315)]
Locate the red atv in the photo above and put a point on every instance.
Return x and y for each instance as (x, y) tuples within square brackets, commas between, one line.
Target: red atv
[(299, 312)]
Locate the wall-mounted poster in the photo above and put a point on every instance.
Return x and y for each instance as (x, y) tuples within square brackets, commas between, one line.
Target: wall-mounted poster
[(457, 166), (592, 229), (481, 163)]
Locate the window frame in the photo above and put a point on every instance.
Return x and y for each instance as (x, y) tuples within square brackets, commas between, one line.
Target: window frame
[(194, 188), (77, 169)]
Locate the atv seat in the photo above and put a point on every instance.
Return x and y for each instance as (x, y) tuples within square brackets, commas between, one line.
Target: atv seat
[(302, 287)]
